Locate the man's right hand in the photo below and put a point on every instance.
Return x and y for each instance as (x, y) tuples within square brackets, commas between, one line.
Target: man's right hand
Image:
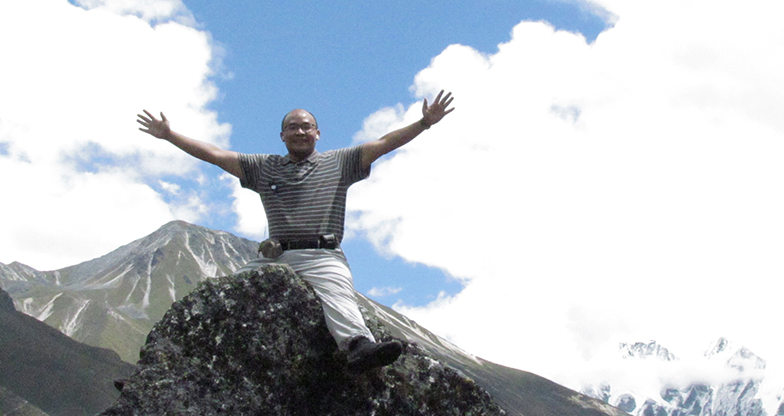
[(158, 128), (225, 159)]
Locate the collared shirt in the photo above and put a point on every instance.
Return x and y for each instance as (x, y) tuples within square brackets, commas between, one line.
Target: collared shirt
[(306, 199)]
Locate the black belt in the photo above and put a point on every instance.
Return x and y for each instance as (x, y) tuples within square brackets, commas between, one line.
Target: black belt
[(325, 241)]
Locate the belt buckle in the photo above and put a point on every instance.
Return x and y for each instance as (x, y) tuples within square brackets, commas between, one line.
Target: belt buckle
[(328, 241)]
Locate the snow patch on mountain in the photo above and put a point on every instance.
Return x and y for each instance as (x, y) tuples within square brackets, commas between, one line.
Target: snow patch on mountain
[(135, 280), (113, 282), (172, 290), (73, 322), (208, 267), (28, 307), (147, 290)]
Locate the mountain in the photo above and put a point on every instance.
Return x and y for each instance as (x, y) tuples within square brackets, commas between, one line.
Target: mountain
[(114, 300), (257, 343), (44, 372), (733, 388), (643, 351)]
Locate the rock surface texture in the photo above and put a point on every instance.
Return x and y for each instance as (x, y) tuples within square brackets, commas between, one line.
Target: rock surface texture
[(256, 344)]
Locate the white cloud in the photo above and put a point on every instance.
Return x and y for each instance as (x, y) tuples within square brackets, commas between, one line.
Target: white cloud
[(379, 123), (251, 218), (79, 172), (384, 291), (588, 194), (169, 187), (148, 10)]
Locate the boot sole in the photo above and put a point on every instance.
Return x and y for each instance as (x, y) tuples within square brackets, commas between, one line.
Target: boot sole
[(383, 355)]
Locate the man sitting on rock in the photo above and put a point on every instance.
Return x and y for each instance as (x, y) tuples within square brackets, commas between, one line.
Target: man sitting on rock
[(304, 197)]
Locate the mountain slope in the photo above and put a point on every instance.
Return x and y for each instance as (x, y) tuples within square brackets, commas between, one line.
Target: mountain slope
[(43, 370), (13, 405), (114, 300)]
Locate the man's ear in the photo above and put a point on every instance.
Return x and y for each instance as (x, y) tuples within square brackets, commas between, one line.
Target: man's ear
[(281, 137)]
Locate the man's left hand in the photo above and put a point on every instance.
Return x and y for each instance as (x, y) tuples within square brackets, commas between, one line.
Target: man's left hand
[(432, 114)]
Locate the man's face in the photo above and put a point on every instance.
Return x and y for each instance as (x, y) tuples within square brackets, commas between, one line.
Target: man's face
[(300, 134)]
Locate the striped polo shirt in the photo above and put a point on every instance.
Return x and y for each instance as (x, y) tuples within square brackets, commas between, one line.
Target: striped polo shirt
[(306, 199)]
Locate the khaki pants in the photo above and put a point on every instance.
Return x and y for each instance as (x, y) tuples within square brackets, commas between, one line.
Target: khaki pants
[(328, 273)]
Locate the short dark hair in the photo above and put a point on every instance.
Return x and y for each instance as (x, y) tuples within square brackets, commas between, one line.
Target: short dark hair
[(283, 122)]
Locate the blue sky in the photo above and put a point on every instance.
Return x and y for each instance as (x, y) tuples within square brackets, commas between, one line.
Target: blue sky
[(612, 171), (345, 59)]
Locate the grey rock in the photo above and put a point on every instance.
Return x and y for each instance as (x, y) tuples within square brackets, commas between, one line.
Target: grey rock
[(257, 344)]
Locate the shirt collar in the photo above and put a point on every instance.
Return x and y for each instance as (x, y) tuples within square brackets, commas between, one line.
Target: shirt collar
[(312, 159)]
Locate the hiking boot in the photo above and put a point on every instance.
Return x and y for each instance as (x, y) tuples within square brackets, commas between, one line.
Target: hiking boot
[(364, 354)]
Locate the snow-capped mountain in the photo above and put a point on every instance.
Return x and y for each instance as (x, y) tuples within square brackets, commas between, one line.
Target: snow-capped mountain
[(114, 300), (644, 351), (732, 387)]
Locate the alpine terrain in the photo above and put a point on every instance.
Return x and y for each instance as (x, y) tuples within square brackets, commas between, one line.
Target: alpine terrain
[(116, 300), (731, 383), (113, 301), (43, 372)]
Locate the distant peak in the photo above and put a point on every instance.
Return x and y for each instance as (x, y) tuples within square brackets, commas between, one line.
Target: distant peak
[(176, 227), (717, 347), (644, 351), (19, 266), (737, 356), (177, 223)]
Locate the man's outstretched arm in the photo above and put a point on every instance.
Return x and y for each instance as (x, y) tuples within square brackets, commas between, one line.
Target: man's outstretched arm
[(432, 114), (225, 159)]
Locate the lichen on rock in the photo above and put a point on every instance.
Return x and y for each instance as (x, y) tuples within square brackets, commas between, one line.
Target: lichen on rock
[(256, 344)]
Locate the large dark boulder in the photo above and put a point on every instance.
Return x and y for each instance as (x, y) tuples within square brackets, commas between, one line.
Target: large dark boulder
[(257, 344)]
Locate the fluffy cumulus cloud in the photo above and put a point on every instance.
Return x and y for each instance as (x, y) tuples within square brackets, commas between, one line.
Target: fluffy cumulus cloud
[(251, 218), (79, 179), (589, 194)]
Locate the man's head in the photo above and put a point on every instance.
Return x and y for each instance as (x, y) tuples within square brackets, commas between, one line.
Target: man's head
[(300, 132)]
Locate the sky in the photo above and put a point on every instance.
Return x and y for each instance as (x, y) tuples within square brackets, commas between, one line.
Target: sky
[(611, 172)]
